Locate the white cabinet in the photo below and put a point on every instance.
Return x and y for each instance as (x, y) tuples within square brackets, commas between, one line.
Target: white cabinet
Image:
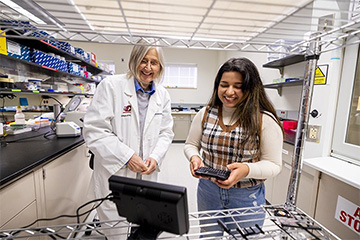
[(65, 184), (18, 203), (329, 190), (54, 189), (277, 187), (182, 123), (23, 218)]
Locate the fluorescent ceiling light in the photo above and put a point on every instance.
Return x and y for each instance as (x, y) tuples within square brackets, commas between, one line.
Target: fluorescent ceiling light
[(22, 11), (81, 14)]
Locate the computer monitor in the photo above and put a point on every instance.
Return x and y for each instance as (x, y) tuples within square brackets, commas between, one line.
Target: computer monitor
[(152, 205)]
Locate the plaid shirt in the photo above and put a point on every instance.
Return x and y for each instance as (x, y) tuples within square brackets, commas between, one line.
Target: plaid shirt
[(221, 145)]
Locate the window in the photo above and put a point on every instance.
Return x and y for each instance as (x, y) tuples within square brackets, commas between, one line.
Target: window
[(107, 66), (346, 141), (180, 75)]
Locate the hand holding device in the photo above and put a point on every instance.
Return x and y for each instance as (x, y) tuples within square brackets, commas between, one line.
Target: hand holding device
[(212, 172)]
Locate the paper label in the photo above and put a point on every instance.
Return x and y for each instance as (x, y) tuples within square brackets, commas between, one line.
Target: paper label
[(348, 214)]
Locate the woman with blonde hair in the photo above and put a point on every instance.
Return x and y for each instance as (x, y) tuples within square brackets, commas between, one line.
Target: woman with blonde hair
[(128, 125)]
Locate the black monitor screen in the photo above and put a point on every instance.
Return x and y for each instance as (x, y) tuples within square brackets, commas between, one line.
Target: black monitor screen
[(156, 205)]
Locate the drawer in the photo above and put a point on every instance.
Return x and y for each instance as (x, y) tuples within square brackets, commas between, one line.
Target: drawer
[(16, 197), (182, 117), (23, 218)]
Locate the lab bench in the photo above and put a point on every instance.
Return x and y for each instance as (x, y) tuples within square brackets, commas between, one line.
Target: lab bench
[(18, 158), (42, 177)]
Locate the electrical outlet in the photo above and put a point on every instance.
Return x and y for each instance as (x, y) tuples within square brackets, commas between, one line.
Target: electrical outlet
[(313, 133)]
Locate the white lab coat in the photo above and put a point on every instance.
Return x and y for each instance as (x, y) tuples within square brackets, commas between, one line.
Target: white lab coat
[(111, 130)]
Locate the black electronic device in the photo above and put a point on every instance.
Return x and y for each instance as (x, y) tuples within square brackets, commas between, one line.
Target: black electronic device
[(212, 172), (156, 207)]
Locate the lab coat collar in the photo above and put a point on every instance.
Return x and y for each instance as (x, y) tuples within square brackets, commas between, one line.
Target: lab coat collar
[(139, 88), (153, 107)]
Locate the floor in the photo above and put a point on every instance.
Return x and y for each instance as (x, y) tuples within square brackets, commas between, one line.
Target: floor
[(175, 170)]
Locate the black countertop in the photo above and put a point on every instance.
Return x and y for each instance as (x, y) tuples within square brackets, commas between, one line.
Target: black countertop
[(18, 158)]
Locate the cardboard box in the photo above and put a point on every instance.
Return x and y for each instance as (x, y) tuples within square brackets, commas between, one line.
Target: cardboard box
[(280, 49)]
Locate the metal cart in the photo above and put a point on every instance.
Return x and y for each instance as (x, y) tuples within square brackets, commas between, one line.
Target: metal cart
[(281, 222)]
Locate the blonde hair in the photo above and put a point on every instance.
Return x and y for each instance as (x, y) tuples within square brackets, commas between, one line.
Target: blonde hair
[(137, 55)]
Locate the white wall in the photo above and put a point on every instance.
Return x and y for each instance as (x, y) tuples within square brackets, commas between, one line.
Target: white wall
[(291, 95), (207, 61), (324, 97)]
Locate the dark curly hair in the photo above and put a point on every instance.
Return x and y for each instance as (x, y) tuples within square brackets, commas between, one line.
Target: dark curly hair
[(254, 102)]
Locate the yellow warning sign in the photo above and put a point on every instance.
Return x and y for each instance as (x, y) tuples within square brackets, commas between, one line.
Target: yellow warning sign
[(321, 74)]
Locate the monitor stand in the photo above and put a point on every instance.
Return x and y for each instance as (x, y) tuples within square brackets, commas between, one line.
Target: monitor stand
[(144, 232)]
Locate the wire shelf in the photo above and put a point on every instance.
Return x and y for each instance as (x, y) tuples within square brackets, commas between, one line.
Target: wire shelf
[(281, 222)]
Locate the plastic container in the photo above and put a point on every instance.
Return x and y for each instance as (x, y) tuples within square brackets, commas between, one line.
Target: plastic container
[(289, 125), (19, 116)]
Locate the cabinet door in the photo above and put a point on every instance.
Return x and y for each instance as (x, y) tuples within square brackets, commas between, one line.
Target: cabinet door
[(276, 187), (23, 218), (308, 183), (281, 184), (181, 126), (329, 190), (307, 192), (66, 181), (15, 198)]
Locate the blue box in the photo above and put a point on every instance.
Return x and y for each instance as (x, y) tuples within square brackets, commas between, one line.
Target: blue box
[(43, 59), (18, 50), (80, 53), (63, 66), (67, 47), (74, 69)]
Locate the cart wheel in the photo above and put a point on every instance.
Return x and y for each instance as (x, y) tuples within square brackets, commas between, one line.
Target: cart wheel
[(95, 225), (88, 231)]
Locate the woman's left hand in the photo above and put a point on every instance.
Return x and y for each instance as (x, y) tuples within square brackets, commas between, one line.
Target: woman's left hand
[(151, 164), (238, 172)]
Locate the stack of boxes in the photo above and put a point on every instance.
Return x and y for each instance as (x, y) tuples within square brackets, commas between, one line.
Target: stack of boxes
[(280, 49), (23, 52), (46, 60), (67, 47)]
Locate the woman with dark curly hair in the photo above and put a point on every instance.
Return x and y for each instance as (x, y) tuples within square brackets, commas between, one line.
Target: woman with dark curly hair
[(238, 130)]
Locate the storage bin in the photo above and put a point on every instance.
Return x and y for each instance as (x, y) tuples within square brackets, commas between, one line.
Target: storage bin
[(289, 125)]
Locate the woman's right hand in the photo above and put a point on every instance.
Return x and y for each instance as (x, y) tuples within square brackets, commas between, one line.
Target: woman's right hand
[(195, 164), (136, 164)]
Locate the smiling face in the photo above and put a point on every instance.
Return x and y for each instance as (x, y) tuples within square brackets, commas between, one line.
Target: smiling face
[(229, 90), (148, 68)]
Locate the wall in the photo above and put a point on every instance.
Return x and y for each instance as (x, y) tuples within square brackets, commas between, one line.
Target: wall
[(290, 95), (207, 61)]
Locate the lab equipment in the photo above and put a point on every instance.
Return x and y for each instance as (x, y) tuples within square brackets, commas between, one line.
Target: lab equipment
[(67, 129), (156, 207), (75, 117)]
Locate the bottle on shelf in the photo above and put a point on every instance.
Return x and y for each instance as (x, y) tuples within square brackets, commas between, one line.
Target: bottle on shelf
[(19, 116)]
